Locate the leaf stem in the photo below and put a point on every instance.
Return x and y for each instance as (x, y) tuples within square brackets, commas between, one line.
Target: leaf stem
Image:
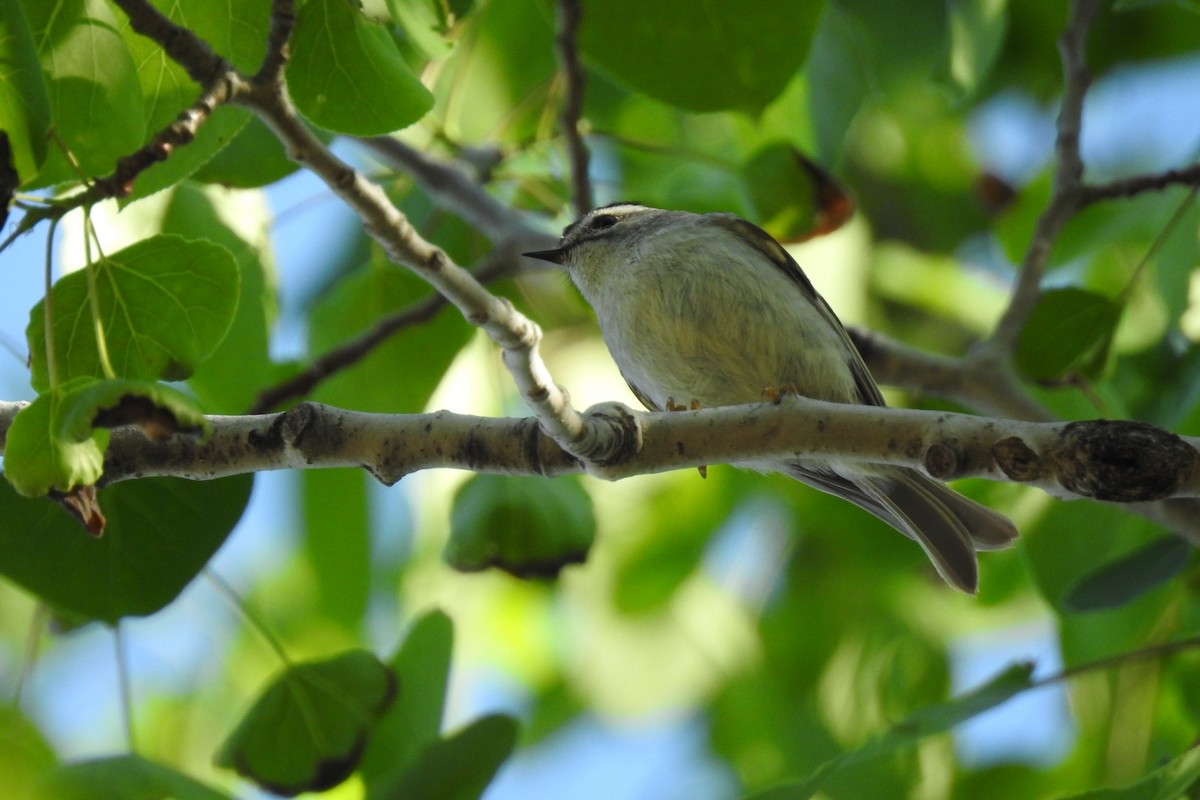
[(126, 686), (230, 594), (89, 235), (48, 307)]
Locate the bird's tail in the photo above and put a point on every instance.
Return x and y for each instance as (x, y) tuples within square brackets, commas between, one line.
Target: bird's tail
[(948, 526)]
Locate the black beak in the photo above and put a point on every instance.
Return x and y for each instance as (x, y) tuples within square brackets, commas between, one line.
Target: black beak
[(555, 256)]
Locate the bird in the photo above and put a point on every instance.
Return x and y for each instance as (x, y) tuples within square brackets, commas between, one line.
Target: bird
[(709, 310)]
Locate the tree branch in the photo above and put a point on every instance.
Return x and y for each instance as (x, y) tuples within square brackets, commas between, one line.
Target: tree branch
[(570, 12), (1129, 187), (971, 383), (451, 188), (1125, 462), (500, 263), (1068, 176), (268, 98)]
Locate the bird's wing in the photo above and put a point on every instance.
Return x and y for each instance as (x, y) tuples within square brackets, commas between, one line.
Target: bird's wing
[(868, 391)]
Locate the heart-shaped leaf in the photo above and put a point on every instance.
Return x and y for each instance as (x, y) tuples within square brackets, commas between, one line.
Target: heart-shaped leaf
[(337, 53), (528, 527), (309, 729), (164, 304), (161, 532)]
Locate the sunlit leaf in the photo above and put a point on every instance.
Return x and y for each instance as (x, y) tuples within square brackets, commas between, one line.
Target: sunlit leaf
[(230, 378), (164, 304), (24, 753), (158, 410), (309, 728), (24, 102), (92, 84), (38, 458), (160, 534), (347, 75)]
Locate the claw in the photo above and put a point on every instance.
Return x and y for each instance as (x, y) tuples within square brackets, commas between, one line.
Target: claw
[(776, 395)]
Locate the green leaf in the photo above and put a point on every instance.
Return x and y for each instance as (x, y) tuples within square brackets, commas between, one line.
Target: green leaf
[(308, 729), (524, 526), (24, 754), (793, 198), (1070, 329), (422, 667), (347, 75), (160, 534), (157, 409), (1130, 576), (24, 102), (228, 381), (254, 157), (837, 83), (424, 27), (90, 76), (237, 29), (165, 304), (337, 541), (121, 778), (863, 48), (705, 57), (1171, 781), (37, 458), (926, 722), (976, 34), (459, 767)]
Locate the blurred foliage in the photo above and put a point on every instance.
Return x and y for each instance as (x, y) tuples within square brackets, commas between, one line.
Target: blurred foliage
[(811, 648)]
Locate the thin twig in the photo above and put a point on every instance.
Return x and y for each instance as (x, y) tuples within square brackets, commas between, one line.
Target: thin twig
[(179, 133), (1129, 187), (570, 13), (1068, 176), (1121, 659), (453, 189), (283, 22), (350, 352)]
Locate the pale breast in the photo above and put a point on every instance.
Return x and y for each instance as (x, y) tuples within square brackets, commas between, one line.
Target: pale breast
[(721, 335)]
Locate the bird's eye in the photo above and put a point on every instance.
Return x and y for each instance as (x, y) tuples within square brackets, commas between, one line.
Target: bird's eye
[(603, 221)]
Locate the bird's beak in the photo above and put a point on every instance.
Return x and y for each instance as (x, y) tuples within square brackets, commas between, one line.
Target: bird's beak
[(555, 256)]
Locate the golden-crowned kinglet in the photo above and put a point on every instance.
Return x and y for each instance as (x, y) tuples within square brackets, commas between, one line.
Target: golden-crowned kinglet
[(709, 308)]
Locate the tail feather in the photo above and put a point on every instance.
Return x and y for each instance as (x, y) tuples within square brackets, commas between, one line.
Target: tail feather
[(948, 526)]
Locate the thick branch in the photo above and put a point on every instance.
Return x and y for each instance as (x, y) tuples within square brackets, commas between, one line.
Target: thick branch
[(1126, 462), (968, 382)]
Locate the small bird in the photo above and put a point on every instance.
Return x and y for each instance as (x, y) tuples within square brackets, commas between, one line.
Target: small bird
[(709, 310)]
